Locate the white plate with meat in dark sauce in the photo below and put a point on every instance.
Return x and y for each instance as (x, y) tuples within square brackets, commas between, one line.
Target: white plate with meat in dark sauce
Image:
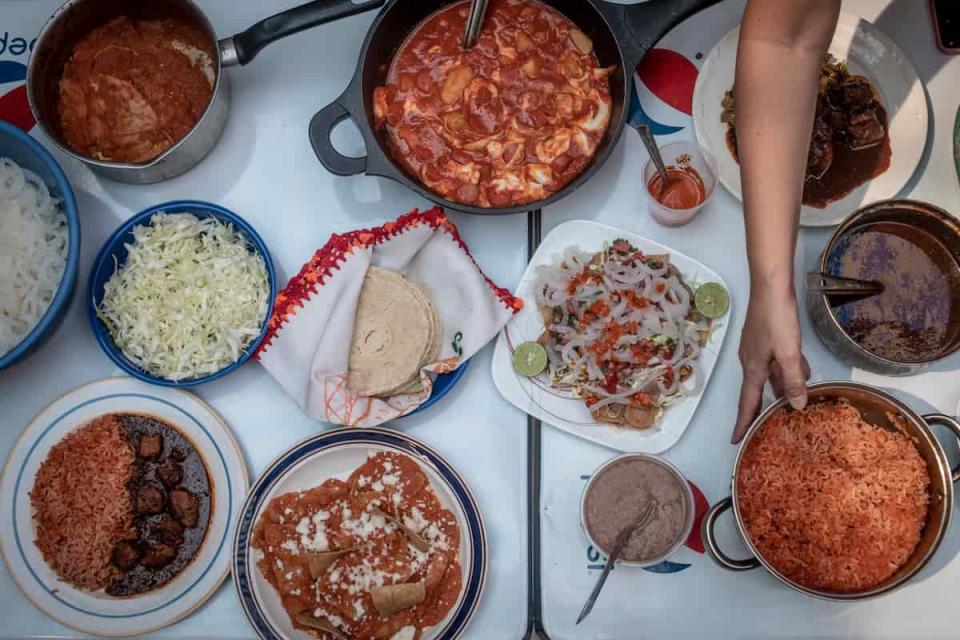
[(854, 158), (120, 499)]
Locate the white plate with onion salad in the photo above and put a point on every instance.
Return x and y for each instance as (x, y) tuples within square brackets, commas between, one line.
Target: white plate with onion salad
[(182, 293), (639, 296)]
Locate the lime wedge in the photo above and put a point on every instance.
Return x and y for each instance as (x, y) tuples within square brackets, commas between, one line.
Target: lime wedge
[(530, 359), (711, 300)]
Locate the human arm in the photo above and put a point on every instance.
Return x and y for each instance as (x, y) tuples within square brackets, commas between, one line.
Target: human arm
[(782, 47)]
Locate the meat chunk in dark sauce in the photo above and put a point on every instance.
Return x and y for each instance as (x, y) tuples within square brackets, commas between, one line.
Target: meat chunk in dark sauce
[(167, 530), (149, 499), (856, 91), (820, 156), (158, 555), (169, 473), (185, 507), (864, 129), (125, 554), (150, 446)]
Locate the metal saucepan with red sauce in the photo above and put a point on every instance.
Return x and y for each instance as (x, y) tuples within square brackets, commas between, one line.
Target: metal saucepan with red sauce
[(135, 90), (522, 119)]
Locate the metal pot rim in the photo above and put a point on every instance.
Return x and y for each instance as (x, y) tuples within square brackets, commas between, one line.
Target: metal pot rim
[(59, 14), (848, 224), (890, 584)]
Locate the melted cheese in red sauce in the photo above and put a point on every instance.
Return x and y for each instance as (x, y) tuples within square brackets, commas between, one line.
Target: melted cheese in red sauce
[(339, 515), (510, 121)]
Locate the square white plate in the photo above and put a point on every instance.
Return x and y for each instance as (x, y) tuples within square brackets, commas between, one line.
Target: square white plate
[(552, 406)]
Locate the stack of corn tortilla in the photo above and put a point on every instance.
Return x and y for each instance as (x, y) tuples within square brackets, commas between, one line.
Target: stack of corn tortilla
[(396, 333)]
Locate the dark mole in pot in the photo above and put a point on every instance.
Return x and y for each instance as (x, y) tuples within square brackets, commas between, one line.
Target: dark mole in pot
[(616, 498)]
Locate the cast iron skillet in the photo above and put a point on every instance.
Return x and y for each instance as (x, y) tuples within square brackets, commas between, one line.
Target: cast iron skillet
[(621, 35)]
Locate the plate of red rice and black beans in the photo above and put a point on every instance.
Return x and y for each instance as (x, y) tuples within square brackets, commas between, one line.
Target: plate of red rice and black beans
[(119, 501)]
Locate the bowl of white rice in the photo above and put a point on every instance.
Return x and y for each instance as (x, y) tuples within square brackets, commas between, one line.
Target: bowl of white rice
[(39, 244)]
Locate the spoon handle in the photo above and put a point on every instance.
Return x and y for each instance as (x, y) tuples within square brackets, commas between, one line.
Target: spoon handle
[(651, 144), (618, 546)]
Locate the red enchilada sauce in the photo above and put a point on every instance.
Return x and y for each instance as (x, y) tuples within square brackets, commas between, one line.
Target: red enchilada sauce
[(510, 121), (132, 89), (340, 515)]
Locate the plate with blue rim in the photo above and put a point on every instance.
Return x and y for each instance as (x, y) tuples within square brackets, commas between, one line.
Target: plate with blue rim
[(96, 612), (335, 454)]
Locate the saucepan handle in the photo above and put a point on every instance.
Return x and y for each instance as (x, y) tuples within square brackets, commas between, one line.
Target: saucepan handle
[(321, 126), (710, 540), (949, 423), (639, 26), (244, 47)]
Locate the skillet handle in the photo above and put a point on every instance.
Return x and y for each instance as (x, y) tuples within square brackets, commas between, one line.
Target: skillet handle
[(639, 26), (710, 540), (244, 47), (321, 126), (954, 426)]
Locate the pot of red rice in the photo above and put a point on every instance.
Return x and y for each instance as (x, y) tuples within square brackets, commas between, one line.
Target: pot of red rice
[(845, 500)]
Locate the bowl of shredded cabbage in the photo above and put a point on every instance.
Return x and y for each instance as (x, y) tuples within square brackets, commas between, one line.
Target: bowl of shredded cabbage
[(181, 293), (39, 244)]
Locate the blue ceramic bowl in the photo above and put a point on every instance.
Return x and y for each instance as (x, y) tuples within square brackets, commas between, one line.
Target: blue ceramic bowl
[(441, 387), (30, 154), (114, 252)]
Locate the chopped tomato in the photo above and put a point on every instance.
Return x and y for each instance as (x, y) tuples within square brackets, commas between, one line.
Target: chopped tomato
[(611, 383), (661, 287), (642, 399), (668, 376)]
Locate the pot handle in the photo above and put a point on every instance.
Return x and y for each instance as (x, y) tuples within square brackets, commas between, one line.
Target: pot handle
[(321, 126), (710, 540), (244, 47), (954, 426), (637, 27)]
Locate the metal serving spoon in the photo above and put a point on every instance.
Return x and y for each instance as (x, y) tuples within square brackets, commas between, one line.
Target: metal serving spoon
[(478, 11), (651, 144), (838, 286), (618, 546)]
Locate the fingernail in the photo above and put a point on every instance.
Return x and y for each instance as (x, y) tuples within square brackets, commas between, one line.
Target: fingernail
[(798, 402)]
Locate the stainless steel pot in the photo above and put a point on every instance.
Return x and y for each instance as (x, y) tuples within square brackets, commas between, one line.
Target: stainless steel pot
[(76, 18), (875, 406), (937, 222)]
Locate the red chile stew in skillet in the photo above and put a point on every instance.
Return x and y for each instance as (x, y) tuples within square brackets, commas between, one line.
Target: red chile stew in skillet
[(171, 501), (510, 121)]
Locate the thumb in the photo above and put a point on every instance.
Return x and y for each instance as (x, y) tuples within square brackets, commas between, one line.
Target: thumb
[(794, 381)]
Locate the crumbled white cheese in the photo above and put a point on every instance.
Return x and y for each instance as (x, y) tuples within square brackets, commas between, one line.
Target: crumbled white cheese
[(390, 479), (335, 620), (377, 486), (366, 524), (406, 633), (395, 498), (418, 558), (363, 481), (318, 541), (387, 465), (435, 536), (291, 546), (359, 612), (415, 521)]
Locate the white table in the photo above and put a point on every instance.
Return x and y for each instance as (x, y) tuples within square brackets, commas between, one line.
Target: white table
[(704, 601), (265, 170)]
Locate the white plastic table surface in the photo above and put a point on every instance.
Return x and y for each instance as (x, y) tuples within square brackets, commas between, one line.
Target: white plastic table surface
[(265, 170), (705, 601)]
